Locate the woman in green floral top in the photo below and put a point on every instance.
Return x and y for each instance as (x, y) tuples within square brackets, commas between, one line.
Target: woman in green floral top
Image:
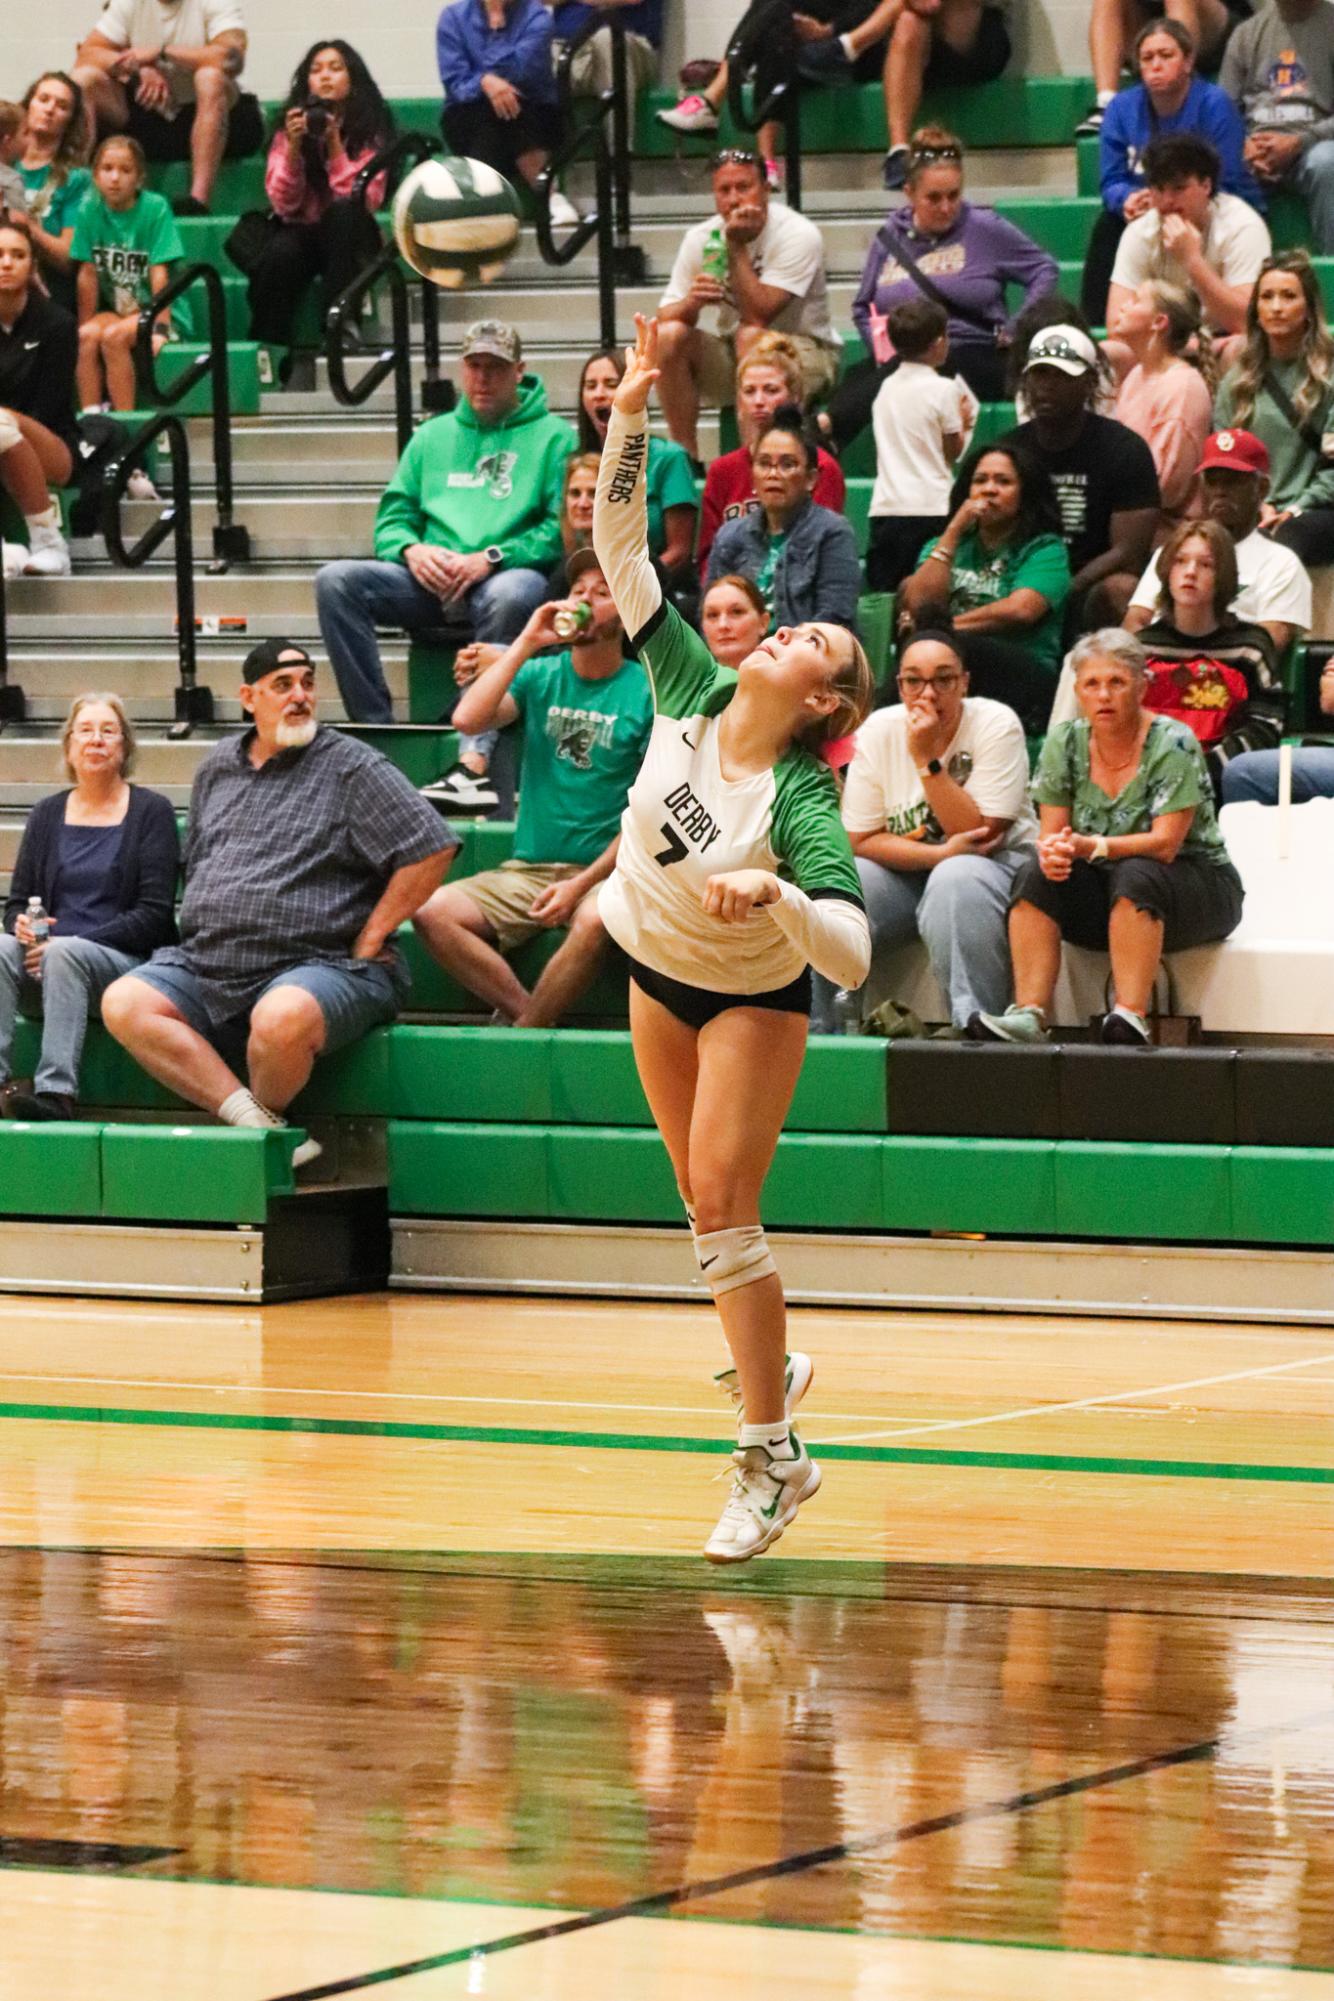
[(1130, 858)]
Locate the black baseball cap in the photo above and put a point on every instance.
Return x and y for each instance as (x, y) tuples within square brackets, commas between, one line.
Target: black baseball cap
[(269, 655)]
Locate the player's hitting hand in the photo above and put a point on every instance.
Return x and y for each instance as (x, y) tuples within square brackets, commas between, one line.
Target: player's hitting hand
[(641, 370), (733, 896)]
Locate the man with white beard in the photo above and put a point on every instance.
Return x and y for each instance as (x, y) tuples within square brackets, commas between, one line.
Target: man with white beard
[(305, 851)]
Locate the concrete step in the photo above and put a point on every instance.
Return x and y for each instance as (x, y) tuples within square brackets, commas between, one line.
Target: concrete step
[(289, 524), (145, 677), (141, 604)]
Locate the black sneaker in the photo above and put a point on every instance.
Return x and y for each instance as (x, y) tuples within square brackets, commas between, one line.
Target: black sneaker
[(1127, 1030), (462, 791), (188, 205), (40, 1106), (894, 170), (1090, 125)]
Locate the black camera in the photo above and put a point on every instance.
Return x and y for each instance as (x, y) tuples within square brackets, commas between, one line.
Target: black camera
[(318, 118)]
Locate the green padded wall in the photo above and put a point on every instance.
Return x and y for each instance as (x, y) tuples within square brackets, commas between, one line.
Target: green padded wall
[(824, 1179), (1283, 1195), (50, 1170), (467, 1170), (597, 1173), (1150, 1193), (199, 1174), (1002, 1187)]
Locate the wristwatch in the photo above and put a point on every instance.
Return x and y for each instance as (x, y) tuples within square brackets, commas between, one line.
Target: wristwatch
[(495, 555), (1099, 849), (932, 768)]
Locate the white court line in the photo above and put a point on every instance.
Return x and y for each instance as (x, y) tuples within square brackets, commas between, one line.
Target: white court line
[(1075, 1403), (398, 1396)]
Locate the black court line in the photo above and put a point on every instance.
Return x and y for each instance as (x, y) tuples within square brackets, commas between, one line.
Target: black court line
[(18, 1851), (789, 1865)]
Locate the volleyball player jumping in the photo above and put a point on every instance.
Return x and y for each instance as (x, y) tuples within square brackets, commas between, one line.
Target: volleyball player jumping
[(734, 877)]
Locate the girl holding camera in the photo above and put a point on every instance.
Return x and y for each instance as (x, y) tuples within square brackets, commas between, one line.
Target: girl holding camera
[(333, 122)]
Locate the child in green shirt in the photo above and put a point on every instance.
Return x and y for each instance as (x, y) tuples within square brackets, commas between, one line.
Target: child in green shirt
[(125, 240)]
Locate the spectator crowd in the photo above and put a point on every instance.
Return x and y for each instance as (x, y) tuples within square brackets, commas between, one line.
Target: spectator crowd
[(1121, 575)]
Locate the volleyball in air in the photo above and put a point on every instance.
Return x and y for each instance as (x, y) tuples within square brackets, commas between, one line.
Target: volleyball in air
[(456, 222)]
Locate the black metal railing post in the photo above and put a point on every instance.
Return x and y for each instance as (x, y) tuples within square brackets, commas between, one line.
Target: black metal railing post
[(13, 701), (395, 360), (409, 149), (231, 542), (768, 37), (194, 702)]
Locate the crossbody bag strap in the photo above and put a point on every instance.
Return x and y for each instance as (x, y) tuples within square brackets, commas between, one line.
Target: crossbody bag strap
[(1306, 431), (930, 290)]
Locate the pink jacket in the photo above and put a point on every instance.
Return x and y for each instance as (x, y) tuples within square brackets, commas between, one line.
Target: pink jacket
[(290, 194)]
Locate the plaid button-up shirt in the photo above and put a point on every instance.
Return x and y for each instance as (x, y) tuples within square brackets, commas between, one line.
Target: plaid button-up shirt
[(284, 863)]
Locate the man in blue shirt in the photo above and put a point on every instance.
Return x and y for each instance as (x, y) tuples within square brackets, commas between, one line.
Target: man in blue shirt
[(1169, 98)]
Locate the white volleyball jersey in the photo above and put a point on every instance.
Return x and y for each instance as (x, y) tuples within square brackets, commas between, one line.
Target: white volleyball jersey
[(684, 821)]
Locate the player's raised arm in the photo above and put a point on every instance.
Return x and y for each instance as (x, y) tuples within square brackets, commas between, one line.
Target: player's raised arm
[(620, 515)]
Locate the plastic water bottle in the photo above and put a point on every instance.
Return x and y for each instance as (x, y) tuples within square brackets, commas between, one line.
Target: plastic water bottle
[(40, 922), (846, 1008), (713, 257)]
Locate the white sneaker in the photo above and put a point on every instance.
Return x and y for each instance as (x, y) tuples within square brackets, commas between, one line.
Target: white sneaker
[(48, 554), (15, 555), (140, 487), (462, 790), (309, 1149), (692, 114), (800, 1376), (766, 1493), (563, 213)]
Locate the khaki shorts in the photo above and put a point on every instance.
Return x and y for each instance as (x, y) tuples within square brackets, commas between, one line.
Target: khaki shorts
[(504, 896), (590, 72), (715, 366)]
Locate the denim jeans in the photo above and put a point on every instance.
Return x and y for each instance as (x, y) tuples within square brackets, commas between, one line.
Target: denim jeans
[(1313, 176), (75, 975), (1254, 775), (959, 909), (352, 598)]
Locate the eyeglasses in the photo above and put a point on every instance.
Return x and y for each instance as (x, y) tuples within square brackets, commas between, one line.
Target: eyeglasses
[(913, 684), (97, 732), (766, 464), (733, 156)]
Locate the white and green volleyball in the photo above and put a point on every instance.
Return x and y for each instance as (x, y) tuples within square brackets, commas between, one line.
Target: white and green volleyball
[(456, 222)]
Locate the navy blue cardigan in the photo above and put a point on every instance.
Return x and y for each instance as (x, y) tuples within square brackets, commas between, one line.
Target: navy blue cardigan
[(143, 875)]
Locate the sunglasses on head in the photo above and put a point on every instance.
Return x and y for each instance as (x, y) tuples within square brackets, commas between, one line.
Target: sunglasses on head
[(923, 156), (733, 156)]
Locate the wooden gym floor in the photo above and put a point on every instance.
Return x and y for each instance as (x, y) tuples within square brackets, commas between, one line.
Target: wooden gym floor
[(365, 1647)]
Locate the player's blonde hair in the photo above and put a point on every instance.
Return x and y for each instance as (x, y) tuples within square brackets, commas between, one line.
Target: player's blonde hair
[(854, 684)]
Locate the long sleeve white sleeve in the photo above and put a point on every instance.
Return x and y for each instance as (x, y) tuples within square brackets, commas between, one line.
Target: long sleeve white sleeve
[(832, 933), (620, 522)]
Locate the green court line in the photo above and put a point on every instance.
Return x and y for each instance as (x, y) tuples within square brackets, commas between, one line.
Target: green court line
[(627, 1441)]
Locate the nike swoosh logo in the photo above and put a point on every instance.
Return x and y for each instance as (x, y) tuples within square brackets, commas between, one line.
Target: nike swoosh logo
[(29, 346), (772, 1508), (704, 1263), (688, 741)]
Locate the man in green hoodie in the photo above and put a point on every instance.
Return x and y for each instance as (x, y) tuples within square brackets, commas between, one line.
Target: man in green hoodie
[(465, 532)]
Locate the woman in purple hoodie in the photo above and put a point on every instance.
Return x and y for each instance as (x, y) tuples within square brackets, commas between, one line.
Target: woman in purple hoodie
[(940, 247)]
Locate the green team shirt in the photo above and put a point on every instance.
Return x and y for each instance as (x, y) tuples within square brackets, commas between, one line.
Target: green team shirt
[(123, 246), (670, 483), (1171, 777), (980, 576), (582, 745), (685, 822), (55, 204)]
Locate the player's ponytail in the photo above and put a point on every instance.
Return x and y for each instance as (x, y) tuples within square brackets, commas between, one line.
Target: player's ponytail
[(854, 684)]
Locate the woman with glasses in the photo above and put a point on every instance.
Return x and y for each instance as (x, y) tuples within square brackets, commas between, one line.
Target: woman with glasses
[(1282, 390), (802, 558), (936, 807), (999, 576), (101, 858), (940, 247)]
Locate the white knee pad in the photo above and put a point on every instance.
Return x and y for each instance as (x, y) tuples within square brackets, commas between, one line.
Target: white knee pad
[(730, 1259), (10, 433)]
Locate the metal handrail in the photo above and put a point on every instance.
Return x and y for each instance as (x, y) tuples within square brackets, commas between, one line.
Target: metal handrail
[(231, 542), (341, 321), (769, 29), (587, 138), (13, 701), (194, 703)]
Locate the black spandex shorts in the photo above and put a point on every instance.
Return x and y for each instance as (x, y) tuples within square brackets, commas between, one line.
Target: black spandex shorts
[(167, 139), (696, 1006), (983, 63)]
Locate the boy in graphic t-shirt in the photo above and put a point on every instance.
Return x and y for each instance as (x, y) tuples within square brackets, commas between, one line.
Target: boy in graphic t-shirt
[(125, 241), (922, 422), (586, 713)]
